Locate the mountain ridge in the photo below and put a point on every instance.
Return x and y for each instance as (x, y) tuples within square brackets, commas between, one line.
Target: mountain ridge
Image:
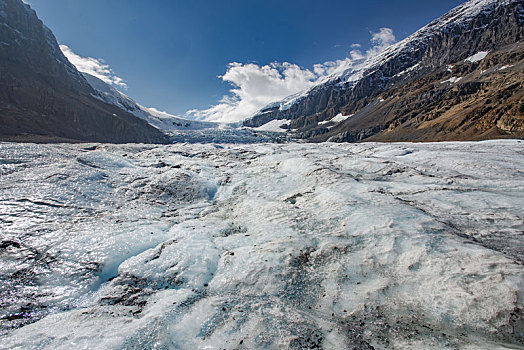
[(161, 120), (43, 97), (407, 92), (471, 27)]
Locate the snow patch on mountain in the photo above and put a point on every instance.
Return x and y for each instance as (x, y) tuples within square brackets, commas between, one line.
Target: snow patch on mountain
[(410, 69), (479, 56), (339, 118), (274, 125), (452, 80), (336, 119)]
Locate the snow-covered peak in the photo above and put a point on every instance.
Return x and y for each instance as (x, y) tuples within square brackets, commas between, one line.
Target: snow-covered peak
[(161, 120), (353, 71), (109, 94), (457, 16)]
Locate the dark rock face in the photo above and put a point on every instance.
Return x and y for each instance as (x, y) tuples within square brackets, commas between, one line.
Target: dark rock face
[(497, 28), (44, 98)]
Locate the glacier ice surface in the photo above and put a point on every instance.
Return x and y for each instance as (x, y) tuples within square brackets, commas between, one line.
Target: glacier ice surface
[(208, 246)]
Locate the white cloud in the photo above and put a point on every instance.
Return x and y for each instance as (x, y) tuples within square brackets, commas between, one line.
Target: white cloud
[(379, 40), (93, 66), (383, 38), (331, 67), (255, 86), (356, 55)]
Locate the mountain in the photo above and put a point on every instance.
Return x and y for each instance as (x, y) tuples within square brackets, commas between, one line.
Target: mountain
[(184, 130), (161, 120), (44, 98), (458, 78)]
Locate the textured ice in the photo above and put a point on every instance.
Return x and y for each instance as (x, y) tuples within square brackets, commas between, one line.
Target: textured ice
[(333, 246)]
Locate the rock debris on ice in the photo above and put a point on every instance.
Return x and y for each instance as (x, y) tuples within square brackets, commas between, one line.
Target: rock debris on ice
[(333, 246)]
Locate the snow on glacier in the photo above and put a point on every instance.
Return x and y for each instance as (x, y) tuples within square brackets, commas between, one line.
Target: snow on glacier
[(206, 246)]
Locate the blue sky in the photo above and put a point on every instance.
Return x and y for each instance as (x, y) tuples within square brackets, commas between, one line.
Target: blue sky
[(170, 53)]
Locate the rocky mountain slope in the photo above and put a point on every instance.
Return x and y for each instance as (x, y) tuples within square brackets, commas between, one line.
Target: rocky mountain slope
[(43, 96), (161, 120), (458, 78), (183, 130)]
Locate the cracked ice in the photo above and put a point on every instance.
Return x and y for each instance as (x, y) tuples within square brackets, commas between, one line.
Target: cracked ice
[(303, 246)]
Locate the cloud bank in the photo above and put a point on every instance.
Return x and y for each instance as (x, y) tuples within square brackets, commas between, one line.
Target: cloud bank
[(255, 86), (93, 66)]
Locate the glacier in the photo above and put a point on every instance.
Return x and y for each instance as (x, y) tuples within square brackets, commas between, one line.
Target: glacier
[(269, 246)]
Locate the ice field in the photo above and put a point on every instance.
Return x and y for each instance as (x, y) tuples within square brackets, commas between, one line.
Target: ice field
[(266, 246)]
